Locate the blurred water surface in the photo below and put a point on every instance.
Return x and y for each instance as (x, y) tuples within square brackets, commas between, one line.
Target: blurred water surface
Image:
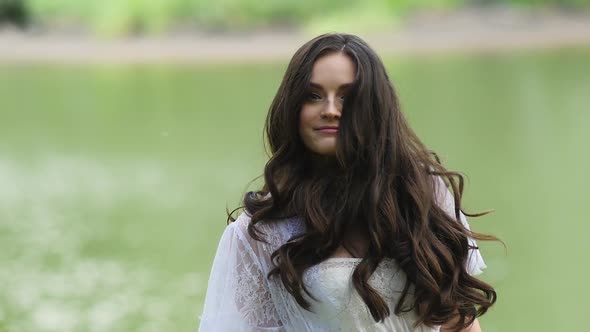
[(114, 182)]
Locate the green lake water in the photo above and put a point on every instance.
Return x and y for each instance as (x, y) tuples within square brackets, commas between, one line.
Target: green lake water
[(114, 181)]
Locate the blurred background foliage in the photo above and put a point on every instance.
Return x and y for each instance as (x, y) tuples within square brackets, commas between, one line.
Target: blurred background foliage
[(124, 17)]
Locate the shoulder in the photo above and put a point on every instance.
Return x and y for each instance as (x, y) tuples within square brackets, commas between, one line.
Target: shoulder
[(274, 232), (238, 229), (440, 187), (242, 221), (443, 196)]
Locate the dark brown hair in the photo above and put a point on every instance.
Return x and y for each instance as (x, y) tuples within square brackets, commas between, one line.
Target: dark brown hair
[(381, 183)]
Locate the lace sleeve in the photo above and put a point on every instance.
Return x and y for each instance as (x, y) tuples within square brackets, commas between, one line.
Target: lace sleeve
[(238, 297), (475, 262)]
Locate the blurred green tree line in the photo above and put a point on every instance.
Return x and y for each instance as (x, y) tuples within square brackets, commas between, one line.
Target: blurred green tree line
[(116, 17)]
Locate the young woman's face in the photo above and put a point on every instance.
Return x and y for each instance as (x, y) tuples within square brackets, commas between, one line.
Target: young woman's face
[(331, 75)]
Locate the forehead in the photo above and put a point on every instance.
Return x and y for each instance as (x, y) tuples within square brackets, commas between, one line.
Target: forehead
[(333, 69)]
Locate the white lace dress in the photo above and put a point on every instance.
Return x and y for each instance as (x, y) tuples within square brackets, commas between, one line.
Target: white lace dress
[(241, 298)]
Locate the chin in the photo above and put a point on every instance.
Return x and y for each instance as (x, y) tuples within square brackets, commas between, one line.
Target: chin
[(326, 152)]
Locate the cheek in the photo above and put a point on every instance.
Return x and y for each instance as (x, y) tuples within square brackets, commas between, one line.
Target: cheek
[(306, 120), (306, 117)]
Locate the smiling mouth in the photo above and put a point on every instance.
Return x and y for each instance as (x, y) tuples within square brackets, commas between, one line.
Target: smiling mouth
[(328, 130)]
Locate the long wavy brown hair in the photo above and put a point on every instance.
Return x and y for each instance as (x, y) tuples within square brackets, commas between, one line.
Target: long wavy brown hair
[(379, 184)]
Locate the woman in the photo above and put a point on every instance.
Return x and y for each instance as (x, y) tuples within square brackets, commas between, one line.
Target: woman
[(355, 228)]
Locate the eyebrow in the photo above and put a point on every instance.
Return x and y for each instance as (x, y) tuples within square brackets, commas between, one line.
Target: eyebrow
[(342, 86)]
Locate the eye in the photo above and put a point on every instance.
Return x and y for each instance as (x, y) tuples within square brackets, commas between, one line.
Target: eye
[(314, 96)]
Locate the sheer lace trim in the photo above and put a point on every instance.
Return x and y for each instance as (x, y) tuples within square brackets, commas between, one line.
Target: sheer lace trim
[(253, 298)]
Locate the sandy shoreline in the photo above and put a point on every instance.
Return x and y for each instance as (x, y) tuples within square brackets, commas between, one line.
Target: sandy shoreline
[(464, 31)]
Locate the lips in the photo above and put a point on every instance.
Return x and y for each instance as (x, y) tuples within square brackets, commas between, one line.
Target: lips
[(330, 130)]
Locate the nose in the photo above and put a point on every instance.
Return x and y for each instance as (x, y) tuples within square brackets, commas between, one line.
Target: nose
[(331, 109)]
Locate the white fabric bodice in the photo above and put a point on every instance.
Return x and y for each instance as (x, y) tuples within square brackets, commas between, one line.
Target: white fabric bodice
[(337, 305), (340, 307), (241, 298)]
